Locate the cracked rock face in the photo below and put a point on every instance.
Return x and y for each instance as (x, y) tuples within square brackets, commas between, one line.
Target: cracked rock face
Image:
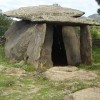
[(23, 42)]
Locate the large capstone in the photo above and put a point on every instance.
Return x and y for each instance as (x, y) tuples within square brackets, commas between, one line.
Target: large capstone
[(51, 14)]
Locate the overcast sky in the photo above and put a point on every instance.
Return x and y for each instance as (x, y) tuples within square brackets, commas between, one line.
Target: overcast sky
[(88, 6)]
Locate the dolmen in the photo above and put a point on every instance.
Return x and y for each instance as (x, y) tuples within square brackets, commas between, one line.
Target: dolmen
[(49, 35)]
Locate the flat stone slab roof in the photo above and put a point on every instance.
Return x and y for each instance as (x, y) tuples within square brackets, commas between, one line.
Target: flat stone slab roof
[(51, 14)]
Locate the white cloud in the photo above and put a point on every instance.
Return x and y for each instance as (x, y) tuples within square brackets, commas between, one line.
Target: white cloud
[(88, 6)]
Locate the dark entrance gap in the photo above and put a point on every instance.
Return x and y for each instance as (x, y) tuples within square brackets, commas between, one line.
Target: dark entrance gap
[(58, 50)]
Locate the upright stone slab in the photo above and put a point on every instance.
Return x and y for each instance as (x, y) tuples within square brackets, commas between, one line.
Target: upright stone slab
[(17, 39), (45, 56), (71, 45), (24, 41), (33, 52), (85, 45)]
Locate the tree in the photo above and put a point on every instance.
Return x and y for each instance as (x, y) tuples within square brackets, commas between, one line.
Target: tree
[(4, 24), (98, 11), (98, 1)]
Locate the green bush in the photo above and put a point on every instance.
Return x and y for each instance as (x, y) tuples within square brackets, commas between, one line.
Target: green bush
[(4, 24), (95, 31)]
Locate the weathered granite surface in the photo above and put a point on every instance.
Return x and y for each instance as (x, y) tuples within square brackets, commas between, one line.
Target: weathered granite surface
[(24, 41), (51, 14), (71, 45), (92, 93)]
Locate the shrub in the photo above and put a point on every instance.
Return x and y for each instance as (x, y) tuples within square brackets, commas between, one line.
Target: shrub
[(95, 31), (4, 24)]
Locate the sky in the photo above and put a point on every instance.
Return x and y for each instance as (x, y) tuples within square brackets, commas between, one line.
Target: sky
[(87, 6)]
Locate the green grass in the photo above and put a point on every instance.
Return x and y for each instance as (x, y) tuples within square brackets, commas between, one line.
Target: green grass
[(7, 81), (96, 59)]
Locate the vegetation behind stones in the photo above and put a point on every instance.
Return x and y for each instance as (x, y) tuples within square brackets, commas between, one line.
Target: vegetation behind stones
[(95, 31), (4, 24)]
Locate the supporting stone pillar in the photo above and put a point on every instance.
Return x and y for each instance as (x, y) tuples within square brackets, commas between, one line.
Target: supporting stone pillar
[(71, 45), (85, 45), (45, 55), (35, 45)]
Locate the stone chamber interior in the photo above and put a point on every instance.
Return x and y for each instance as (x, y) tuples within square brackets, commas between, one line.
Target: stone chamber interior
[(59, 57)]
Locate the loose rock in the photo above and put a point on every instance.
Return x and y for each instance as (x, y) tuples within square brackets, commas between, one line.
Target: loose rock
[(68, 73), (85, 94)]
